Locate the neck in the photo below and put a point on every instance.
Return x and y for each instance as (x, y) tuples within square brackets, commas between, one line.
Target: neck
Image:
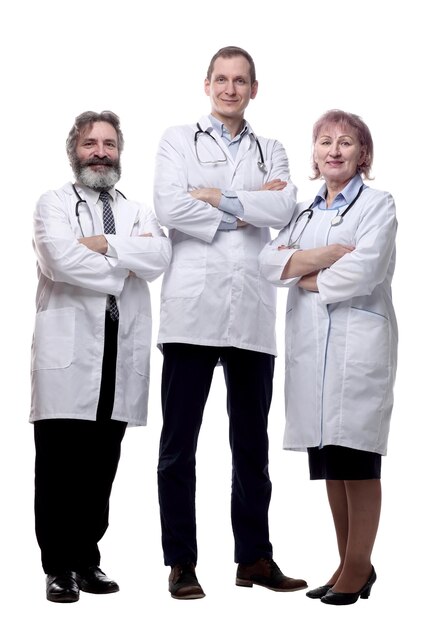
[(233, 124), (333, 188)]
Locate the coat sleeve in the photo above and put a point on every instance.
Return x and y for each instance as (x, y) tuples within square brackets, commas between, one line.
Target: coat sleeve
[(62, 258), (273, 261), (272, 209), (358, 273), (174, 205), (146, 257)]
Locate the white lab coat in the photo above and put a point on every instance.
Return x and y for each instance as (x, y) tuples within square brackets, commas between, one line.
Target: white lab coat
[(212, 293), (341, 343), (68, 340)]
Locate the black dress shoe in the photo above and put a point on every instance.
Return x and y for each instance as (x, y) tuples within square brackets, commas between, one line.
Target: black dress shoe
[(266, 573), (62, 587), (93, 580), (319, 592), (183, 583), (334, 597)]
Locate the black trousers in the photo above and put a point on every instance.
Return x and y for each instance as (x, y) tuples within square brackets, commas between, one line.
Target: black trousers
[(186, 380), (75, 466)]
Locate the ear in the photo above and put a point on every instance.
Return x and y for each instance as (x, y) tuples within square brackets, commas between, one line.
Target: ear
[(254, 90), (363, 156), (207, 86)]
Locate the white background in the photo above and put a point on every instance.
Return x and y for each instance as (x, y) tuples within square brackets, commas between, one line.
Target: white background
[(148, 64)]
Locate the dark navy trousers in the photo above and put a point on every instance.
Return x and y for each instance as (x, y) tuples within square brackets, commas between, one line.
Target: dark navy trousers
[(186, 380)]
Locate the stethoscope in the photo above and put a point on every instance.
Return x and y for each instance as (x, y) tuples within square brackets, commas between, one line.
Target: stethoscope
[(200, 131), (79, 200), (308, 213)]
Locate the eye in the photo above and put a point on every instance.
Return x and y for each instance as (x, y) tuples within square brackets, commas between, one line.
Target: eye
[(241, 81)]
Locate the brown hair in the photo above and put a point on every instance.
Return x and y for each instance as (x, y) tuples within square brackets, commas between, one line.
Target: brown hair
[(227, 53)]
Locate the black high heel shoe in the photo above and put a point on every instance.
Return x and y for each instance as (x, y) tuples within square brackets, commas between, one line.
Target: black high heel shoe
[(319, 592), (333, 597)]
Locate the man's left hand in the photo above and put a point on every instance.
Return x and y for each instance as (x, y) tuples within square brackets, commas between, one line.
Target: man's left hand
[(97, 243), (211, 195)]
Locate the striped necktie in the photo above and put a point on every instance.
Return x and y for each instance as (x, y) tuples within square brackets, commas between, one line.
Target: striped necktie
[(109, 229)]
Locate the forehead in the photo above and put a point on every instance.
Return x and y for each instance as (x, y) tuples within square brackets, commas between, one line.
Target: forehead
[(234, 65), (98, 130), (336, 129)]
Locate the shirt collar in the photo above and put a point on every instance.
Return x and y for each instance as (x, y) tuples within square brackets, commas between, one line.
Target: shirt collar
[(345, 196), (223, 132)]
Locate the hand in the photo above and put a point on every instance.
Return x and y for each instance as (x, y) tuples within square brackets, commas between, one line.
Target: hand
[(146, 235), (96, 243), (327, 255), (241, 223), (308, 282), (211, 195), (274, 185)]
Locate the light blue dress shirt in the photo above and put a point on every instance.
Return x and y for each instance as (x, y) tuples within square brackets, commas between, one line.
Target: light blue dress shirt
[(229, 204)]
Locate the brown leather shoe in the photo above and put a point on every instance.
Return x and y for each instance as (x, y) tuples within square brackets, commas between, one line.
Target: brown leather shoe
[(266, 573), (183, 583)]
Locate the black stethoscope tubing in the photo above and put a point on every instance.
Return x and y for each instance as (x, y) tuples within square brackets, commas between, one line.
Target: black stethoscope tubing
[(79, 200), (337, 219), (200, 131)]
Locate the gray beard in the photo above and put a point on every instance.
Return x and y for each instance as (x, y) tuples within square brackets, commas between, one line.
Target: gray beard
[(98, 180)]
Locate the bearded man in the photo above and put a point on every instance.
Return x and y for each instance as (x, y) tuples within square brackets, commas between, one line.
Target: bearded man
[(95, 252)]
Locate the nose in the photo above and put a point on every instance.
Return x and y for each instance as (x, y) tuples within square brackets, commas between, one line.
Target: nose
[(100, 150), (230, 88), (335, 150)]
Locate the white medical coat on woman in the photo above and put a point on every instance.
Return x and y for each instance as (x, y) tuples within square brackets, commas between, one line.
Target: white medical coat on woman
[(213, 293), (73, 286), (341, 343)]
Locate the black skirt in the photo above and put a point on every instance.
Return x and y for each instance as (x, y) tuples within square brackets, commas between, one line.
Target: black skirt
[(341, 463)]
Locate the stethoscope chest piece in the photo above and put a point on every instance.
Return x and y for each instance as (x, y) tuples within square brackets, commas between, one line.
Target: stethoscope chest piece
[(337, 219)]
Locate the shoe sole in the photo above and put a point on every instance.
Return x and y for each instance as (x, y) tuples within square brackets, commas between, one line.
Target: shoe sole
[(249, 583), (97, 592), (63, 599), (191, 596)]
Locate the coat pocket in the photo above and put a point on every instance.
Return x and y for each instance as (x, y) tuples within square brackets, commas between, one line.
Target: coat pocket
[(368, 339), (54, 339)]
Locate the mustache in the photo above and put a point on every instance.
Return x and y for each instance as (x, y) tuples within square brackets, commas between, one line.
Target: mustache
[(100, 161)]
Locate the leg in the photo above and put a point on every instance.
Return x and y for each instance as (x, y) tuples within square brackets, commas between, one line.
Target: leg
[(96, 487), (364, 506), (186, 380), (248, 377), (102, 451), (57, 491), (337, 499)]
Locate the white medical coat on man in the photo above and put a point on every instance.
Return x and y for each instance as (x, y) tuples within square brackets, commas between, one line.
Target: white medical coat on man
[(74, 283), (213, 293)]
